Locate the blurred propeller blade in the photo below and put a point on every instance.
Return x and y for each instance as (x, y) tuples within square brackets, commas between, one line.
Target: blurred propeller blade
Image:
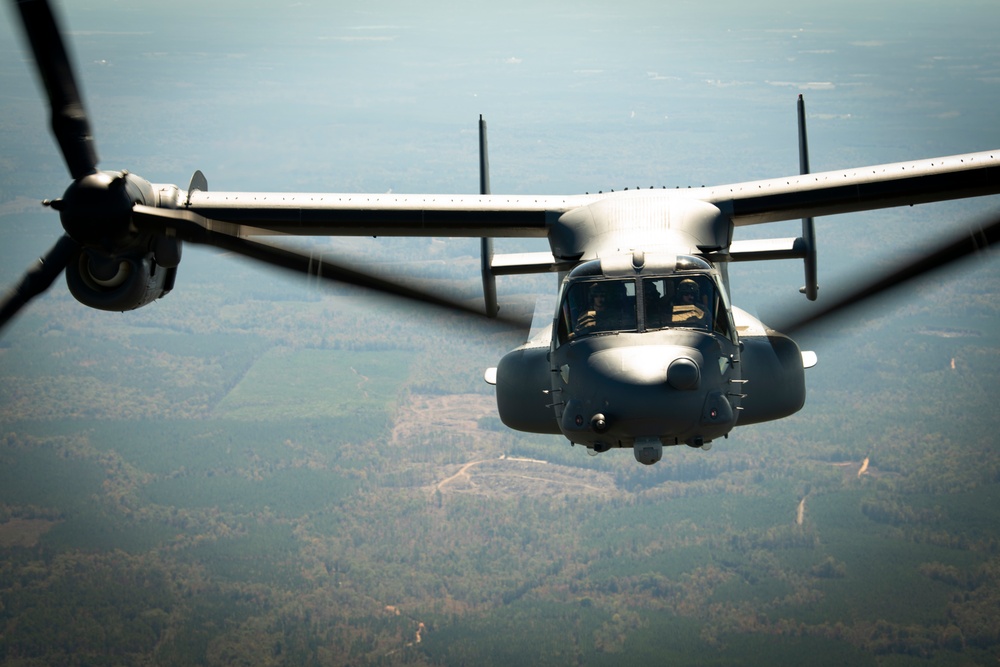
[(963, 246), (191, 227), (69, 117), (38, 278)]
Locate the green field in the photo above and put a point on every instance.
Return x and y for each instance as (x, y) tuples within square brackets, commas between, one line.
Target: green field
[(302, 384)]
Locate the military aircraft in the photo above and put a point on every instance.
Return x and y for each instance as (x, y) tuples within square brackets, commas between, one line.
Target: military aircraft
[(643, 350)]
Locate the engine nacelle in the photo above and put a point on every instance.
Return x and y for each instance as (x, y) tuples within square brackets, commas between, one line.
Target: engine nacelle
[(524, 384), (124, 282), (775, 378)]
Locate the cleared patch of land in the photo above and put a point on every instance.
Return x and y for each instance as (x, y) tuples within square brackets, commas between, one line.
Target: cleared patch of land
[(23, 532)]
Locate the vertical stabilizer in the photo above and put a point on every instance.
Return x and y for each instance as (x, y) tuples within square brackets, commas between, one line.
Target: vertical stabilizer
[(811, 288), (486, 244)]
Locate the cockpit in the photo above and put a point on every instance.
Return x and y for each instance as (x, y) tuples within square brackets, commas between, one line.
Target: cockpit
[(599, 306), (644, 354), (609, 304)]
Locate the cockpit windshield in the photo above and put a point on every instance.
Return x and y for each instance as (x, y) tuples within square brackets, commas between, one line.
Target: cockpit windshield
[(689, 301), (679, 301), (599, 306)]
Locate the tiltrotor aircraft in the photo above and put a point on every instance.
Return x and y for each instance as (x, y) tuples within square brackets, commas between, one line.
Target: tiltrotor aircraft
[(644, 348)]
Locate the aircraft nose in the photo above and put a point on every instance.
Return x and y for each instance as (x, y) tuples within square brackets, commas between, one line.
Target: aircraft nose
[(650, 365), (638, 390), (624, 393)]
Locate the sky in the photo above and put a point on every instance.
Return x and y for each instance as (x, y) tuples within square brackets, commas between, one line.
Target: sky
[(371, 96)]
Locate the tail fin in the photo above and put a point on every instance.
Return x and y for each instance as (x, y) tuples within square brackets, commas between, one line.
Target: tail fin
[(808, 229), (486, 244)]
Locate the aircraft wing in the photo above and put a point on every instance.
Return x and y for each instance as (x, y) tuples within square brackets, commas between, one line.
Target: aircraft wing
[(500, 216), (315, 214), (858, 189)]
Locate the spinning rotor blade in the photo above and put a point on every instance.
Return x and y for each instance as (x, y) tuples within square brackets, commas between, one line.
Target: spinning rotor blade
[(38, 278), (962, 246), (191, 227), (69, 117)]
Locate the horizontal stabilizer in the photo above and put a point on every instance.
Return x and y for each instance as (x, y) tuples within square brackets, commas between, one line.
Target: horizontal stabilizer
[(528, 262), (761, 249)]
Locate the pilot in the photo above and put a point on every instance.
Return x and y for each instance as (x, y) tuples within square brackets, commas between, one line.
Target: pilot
[(604, 313), (688, 308)]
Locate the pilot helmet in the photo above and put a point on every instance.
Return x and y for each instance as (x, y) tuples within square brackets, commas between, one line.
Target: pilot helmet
[(687, 286)]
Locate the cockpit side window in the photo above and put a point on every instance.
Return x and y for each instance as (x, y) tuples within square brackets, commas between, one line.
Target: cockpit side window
[(597, 306), (722, 323)]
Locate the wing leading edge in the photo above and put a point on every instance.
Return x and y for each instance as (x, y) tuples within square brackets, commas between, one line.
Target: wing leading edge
[(748, 203), (859, 189), (317, 214)]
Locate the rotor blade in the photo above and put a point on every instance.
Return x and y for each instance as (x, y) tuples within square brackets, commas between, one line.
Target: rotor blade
[(962, 246), (191, 227), (38, 278), (69, 117)]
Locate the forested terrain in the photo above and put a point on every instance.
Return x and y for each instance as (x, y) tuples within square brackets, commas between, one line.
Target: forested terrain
[(258, 471)]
